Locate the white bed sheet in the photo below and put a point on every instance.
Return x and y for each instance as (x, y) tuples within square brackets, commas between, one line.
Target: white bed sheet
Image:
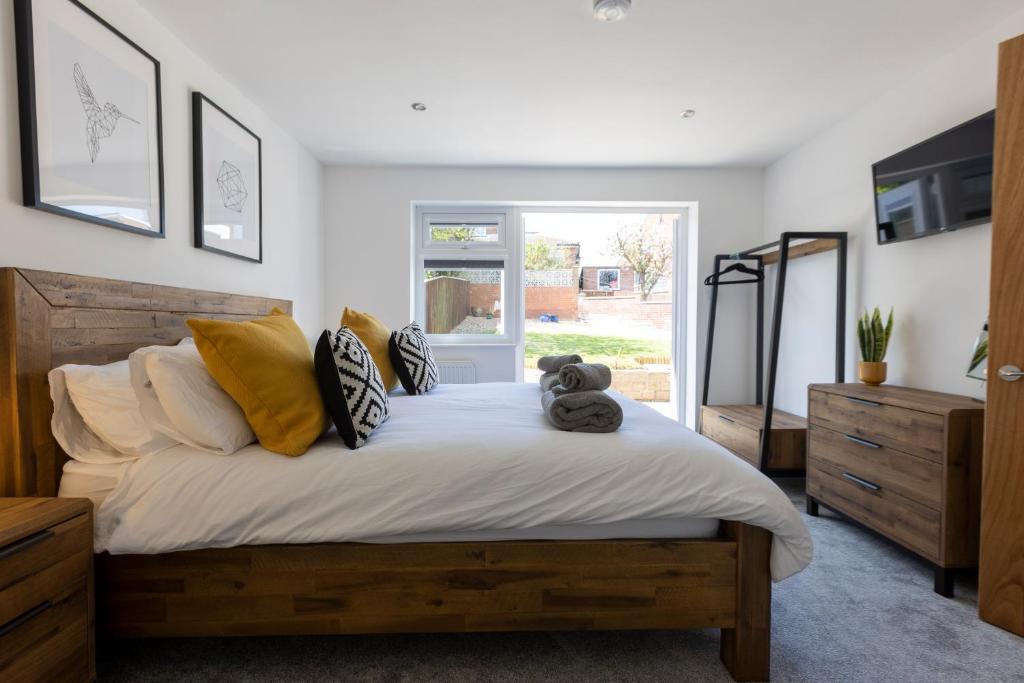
[(86, 480), (90, 480), (462, 459)]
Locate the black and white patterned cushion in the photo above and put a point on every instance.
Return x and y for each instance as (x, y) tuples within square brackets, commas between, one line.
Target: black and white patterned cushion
[(412, 359), (350, 386)]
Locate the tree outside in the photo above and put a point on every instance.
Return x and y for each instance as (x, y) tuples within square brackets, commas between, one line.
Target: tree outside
[(648, 250), (542, 255)]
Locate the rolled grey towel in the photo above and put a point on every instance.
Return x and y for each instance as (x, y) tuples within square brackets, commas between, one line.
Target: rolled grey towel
[(584, 377), (548, 381), (555, 363), (582, 411)]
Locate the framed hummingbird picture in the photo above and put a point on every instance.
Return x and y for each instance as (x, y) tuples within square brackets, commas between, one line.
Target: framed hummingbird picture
[(227, 183), (89, 101)]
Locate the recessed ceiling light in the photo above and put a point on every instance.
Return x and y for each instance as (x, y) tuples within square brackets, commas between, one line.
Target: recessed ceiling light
[(687, 113), (419, 106), (611, 10)]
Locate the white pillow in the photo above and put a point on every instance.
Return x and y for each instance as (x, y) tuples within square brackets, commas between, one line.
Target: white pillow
[(103, 397), (179, 398), (70, 430)]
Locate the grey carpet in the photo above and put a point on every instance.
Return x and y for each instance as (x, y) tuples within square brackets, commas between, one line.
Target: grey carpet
[(863, 611)]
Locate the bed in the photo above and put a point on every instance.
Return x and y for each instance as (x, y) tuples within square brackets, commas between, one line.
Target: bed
[(182, 553)]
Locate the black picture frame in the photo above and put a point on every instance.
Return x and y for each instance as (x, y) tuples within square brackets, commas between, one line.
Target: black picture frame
[(32, 192), (198, 178)]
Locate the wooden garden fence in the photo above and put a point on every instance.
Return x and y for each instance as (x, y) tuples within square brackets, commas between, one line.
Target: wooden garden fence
[(447, 304)]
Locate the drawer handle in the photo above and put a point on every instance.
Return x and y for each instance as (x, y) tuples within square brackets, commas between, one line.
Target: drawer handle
[(863, 402), (862, 442), (24, 618), (727, 419), (862, 482), (24, 543)]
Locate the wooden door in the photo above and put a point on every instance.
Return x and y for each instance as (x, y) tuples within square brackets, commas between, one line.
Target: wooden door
[(1001, 574)]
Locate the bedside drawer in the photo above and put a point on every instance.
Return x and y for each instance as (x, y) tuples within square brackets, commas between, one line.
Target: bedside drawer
[(908, 475), (49, 642), (43, 566), (737, 437), (910, 431), (911, 524)]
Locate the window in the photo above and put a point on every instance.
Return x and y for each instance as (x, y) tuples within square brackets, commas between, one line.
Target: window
[(608, 279), (463, 276), (463, 297), (663, 284), (464, 231)]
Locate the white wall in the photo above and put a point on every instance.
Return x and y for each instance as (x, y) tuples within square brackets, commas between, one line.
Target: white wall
[(368, 239), (292, 190), (938, 285)]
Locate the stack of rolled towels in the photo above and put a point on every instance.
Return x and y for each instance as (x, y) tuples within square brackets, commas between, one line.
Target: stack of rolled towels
[(573, 395)]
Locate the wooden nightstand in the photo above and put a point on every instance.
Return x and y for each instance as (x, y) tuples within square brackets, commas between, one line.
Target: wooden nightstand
[(46, 600)]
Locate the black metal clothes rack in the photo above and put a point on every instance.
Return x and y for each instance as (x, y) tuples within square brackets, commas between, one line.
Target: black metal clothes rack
[(780, 252)]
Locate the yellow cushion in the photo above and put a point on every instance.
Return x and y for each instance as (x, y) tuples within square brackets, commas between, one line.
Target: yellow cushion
[(375, 335), (267, 367)]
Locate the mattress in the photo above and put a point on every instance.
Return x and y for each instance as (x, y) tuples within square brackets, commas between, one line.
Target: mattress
[(464, 462), (84, 480)]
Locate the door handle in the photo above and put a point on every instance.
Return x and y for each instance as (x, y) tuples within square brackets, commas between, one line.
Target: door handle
[(1010, 373), (727, 419)]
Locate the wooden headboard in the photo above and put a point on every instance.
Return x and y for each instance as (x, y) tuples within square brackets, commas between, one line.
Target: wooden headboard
[(49, 319)]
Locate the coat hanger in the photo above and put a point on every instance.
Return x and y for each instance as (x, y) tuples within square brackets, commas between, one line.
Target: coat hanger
[(716, 278)]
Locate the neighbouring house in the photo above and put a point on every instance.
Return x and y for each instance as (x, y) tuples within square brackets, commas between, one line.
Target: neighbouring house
[(609, 273), (608, 280)]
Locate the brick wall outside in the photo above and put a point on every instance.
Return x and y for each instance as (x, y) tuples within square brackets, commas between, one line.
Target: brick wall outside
[(484, 296), (566, 303), (655, 313), (560, 301)]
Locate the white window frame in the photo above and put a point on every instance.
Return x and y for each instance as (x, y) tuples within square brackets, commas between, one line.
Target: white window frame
[(430, 216), (504, 249)]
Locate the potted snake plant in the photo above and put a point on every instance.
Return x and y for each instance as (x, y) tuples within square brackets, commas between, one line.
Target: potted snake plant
[(874, 338)]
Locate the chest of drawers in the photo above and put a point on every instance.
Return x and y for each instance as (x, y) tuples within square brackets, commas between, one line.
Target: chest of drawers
[(46, 607), (739, 428), (903, 462)]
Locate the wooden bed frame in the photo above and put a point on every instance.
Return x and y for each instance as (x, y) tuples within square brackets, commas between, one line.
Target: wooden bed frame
[(48, 319)]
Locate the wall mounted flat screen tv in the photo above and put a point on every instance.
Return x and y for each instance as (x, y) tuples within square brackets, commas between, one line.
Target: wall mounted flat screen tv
[(941, 184)]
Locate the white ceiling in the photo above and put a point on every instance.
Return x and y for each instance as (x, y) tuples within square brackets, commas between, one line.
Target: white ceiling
[(539, 82)]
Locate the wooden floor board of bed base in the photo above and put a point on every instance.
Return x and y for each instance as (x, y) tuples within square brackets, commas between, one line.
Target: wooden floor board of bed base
[(352, 588)]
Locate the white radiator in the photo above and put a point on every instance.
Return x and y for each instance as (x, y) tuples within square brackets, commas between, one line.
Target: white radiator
[(456, 371)]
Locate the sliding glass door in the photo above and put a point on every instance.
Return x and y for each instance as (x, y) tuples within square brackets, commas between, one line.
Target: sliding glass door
[(600, 283)]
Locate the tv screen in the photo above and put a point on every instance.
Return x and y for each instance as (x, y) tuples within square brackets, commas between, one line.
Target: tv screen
[(941, 184)]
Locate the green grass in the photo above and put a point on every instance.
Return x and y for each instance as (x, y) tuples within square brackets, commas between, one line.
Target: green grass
[(615, 352)]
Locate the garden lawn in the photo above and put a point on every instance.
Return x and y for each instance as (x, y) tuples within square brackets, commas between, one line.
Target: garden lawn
[(615, 352)]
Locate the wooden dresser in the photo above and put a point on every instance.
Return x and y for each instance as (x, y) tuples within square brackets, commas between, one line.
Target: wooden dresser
[(904, 462), (739, 428), (46, 603)]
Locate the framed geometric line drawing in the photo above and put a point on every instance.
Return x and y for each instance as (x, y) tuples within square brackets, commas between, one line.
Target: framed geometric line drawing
[(89, 104), (227, 180)]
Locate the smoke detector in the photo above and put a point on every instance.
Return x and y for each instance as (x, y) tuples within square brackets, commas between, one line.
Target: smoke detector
[(611, 10)]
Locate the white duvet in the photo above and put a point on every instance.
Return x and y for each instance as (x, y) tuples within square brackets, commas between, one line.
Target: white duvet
[(461, 458)]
